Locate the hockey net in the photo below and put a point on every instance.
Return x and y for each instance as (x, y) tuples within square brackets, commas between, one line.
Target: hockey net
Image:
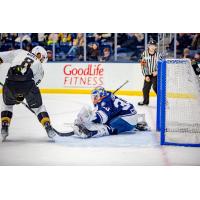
[(178, 103)]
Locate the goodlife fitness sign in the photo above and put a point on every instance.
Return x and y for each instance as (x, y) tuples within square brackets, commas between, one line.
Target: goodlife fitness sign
[(83, 75)]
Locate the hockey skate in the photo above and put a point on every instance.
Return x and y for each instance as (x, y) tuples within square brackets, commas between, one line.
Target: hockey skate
[(142, 126), (51, 132), (4, 131)]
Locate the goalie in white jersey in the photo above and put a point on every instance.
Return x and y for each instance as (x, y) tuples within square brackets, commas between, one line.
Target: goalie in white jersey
[(23, 76)]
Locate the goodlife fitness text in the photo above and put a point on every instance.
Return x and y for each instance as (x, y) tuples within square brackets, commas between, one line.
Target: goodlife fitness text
[(85, 75)]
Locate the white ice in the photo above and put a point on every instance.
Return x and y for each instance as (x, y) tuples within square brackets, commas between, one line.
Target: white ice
[(28, 143)]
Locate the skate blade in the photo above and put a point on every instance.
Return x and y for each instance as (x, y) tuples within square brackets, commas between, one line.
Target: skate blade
[(55, 138), (51, 140)]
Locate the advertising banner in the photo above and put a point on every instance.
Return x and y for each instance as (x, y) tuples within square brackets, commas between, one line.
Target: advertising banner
[(85, 75)]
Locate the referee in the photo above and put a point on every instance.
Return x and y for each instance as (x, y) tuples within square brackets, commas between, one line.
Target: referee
[(149, 59)]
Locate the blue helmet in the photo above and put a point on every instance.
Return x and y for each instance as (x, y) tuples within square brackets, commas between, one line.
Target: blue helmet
[(97, 94)]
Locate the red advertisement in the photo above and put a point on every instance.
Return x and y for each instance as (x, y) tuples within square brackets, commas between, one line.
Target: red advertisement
[(83, 75)]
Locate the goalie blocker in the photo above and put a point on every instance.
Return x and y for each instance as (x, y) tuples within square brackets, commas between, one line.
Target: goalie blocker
[(111, 115)]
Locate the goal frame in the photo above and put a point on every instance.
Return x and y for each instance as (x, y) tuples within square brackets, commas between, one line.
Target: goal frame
[(161, 107)]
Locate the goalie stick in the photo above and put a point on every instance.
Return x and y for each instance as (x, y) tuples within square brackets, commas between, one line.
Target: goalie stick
[(120, 87)]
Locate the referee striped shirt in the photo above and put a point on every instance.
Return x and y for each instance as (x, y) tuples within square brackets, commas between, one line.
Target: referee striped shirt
[(151, 62)]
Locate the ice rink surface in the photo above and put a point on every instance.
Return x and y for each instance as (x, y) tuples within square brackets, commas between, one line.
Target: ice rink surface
[(28, 143)]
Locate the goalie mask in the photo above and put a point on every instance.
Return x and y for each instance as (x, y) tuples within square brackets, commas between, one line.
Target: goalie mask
[(98, 94), (40, 53)]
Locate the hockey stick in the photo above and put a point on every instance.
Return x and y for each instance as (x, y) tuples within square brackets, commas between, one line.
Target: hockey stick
[(59, 133), (120, 87)]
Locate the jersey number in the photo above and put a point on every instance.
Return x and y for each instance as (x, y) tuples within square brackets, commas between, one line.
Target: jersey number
[(27, 62), (120, 102)]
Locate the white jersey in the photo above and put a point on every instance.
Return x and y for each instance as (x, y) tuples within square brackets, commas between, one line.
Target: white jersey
[(24, 66)]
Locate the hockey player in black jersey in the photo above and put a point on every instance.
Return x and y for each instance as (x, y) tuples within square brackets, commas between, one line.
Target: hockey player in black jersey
[(24, 75)]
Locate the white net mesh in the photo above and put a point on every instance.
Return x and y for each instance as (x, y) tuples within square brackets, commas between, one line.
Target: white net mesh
[(183, 103)]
